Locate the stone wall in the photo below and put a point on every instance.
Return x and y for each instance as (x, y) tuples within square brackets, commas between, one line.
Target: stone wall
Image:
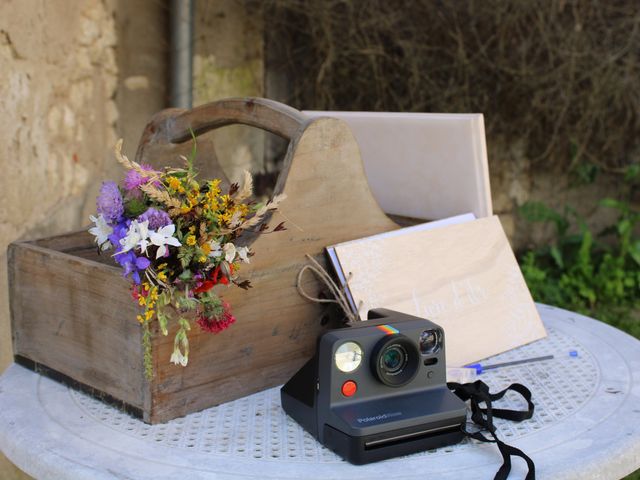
[(58, 78), (515, 179)]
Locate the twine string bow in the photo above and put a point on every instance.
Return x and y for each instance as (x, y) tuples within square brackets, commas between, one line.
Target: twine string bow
[(338, 293)]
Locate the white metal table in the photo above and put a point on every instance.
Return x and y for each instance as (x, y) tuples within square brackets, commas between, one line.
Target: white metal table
[(586, 425)]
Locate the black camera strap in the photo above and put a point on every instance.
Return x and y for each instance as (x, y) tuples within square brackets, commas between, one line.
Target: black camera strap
[(478, 393)]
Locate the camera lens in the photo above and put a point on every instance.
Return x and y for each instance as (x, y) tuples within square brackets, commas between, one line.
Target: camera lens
[(430, 342), (395, 360)]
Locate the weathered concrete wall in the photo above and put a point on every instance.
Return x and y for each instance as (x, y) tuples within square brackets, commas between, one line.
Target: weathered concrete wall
[(58, 78), (67, 92)]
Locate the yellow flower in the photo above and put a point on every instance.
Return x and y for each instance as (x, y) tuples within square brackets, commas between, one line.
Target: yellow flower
[(212, 204), (191, 240), (142, 301), (224, 202), (185, 209), (202, 259), (148, 315), (174, 183), (214, 187), (139, 318), (162, 276), (153, 295), (162, 266), (206, 248)]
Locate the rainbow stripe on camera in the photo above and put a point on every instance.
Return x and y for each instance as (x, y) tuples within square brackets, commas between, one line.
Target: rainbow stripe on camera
[(388, 329)]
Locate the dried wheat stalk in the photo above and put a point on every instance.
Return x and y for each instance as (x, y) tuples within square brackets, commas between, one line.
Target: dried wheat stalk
[(160, 196), (131, 165), (247, 188), (260, 213)]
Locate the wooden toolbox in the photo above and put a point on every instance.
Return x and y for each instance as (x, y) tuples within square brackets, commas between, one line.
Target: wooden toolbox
[(73, 317)]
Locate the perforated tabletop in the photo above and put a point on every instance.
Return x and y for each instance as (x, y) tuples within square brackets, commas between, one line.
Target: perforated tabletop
[(586, 425)]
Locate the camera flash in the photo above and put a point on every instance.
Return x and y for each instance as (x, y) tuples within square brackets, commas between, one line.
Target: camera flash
[(348, 357)]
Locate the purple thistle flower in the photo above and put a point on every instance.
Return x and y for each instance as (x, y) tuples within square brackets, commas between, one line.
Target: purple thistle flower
[(157, 218), (109, 202), (133, 179)]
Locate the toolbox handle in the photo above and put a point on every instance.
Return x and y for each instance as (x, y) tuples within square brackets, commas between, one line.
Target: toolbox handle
[(269, 115)]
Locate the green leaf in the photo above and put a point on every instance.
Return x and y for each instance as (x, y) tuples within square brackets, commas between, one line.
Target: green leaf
[(632, 173), (556, 254), (624, 227), (539, 212), (186, 275), (184, 324), (162, 321), (611, 203), (186, 302), (634, 251), (185, 255), (257, 207), (134, 207), (163, 299)]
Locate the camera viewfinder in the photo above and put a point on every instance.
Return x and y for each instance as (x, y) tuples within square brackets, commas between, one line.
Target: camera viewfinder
[(430, 342)]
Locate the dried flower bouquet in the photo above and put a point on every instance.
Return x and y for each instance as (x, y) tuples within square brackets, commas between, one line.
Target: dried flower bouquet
[(176, 239)]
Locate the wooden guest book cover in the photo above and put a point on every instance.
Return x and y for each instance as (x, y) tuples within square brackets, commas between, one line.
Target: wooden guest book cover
[(463, 276)]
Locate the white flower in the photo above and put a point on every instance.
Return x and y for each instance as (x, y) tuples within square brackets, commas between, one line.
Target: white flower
[(216, 249), (143, 229), (229, 250), (136, 236), (162, 238), (101, 231), (178, 358), (243, 253)]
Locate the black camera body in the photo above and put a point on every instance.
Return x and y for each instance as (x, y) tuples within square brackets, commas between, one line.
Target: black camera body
[(377, 390)]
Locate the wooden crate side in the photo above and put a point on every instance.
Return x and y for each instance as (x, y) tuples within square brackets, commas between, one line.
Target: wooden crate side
[(275, 332), (70, 242), (76, 316)]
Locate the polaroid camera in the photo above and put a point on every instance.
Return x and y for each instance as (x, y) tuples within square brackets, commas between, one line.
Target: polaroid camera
[(377, 389)]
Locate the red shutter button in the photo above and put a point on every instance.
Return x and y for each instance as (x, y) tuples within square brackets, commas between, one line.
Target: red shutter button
[(349, 388)]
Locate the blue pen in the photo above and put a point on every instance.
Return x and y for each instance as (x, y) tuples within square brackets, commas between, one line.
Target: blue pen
[(481, 368)]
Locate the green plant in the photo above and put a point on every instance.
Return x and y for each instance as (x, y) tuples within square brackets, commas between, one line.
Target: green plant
[(595, 274)]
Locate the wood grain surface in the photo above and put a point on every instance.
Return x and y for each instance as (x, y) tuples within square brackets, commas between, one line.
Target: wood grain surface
[(463, 277), (75, 316)]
